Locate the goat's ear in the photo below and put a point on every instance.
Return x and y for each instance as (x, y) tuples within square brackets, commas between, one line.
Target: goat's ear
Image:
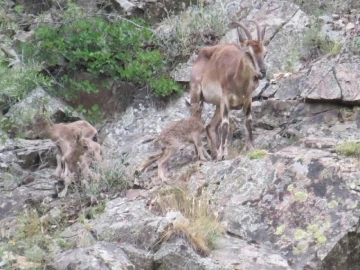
[(187, 102), (266, 42)]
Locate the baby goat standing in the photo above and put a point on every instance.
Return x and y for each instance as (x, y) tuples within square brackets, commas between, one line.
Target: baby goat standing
[(186, 130), (62, 134), (76, 167)]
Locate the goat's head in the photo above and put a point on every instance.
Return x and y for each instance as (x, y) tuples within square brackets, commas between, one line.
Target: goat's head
[(39, 123), (195, 108), (255, 48), (80, 143)]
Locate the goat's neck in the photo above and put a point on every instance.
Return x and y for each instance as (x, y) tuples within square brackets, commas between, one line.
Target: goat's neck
[(251, 59), (198, 117)]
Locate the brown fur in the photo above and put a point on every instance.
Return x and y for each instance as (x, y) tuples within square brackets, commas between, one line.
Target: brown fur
[(75, 167), (79, 156), (226, 75), (185, 130), (62, 134)]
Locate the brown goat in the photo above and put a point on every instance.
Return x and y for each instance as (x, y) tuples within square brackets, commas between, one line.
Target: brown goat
[(77, 167), (186, 130), (226, 76), (92, 155), (62, 134)]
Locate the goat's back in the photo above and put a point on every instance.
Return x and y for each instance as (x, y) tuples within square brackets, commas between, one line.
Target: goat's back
[(181, 130), (232, 69), (88, 131)]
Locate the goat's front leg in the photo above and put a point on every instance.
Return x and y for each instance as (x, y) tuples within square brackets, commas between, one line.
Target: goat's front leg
[(211, 132), (224, 130), (67, 182), (58, 170), (203, 155), (248, 123)]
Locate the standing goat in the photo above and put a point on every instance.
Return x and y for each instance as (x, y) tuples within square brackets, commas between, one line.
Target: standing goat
[(187, 130), (77, 165), (62, 134), (92, 155), (226, 76)]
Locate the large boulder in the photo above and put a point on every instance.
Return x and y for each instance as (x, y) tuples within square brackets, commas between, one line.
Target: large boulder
[(327, 80), (299, 201), (94, 257)]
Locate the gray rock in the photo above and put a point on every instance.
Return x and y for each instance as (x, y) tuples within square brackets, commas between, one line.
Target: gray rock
[(22, 113), (286, 201), (27, 153), (129, 222), (325, 81), (287, 45), (100, 256), (177, 254)]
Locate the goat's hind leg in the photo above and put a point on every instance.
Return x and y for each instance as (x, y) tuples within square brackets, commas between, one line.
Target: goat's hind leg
[(149, 161), (170, 150), (248, 124), (224, 130), (211, 133)]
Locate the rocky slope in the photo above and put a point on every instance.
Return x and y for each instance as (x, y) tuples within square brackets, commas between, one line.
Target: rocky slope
[(293, 208)]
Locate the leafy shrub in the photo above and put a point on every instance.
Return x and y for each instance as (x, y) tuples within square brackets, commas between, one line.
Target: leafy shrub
[(197, 26), (19, 80), (121, 49)]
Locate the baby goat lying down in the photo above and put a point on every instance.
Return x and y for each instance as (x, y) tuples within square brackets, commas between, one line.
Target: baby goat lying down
[(79, 157), (185, 130)]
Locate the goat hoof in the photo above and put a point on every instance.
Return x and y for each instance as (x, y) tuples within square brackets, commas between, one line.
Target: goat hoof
[(137, 172), (61, 194)]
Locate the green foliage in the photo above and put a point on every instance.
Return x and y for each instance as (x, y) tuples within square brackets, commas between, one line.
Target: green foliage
[(257, 154), (95, 211), (349, 148), (92, 115), (117, 49), (19, 80)]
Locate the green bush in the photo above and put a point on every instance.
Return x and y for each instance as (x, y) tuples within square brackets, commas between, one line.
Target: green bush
[(120, 49)]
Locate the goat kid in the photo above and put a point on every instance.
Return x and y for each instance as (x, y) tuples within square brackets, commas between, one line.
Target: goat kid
[(62, 134), (226, 76), (76, 167), (185, 130), (92, 155)]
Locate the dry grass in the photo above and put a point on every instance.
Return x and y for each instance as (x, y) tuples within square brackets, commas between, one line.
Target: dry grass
[(349, 148), (197, 26), (203, 226)]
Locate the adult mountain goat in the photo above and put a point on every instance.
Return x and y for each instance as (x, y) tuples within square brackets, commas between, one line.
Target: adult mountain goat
[(226, 76)]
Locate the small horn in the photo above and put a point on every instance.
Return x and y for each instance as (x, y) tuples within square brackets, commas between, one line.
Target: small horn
[(263, 32), (257, 29), (246, 31)]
